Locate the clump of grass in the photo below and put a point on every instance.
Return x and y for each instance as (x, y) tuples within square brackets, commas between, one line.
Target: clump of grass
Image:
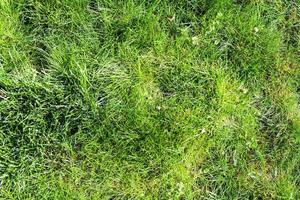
[(149, 100)]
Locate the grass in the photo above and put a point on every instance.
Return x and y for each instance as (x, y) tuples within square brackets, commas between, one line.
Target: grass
[(135, 99)]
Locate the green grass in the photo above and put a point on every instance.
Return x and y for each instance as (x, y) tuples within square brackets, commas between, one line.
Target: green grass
[(162, 99)]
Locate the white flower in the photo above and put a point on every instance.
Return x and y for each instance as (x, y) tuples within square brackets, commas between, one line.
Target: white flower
[(195, 40)]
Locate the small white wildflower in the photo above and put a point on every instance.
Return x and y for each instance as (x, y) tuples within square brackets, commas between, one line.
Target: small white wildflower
[(203, 130), (158, 108), (195, 40)]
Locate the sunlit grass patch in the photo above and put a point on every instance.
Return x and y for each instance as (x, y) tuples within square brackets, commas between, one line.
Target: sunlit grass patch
[(149, 100)]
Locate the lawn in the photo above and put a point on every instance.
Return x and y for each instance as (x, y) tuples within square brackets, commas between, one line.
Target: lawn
[(138, 99)]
